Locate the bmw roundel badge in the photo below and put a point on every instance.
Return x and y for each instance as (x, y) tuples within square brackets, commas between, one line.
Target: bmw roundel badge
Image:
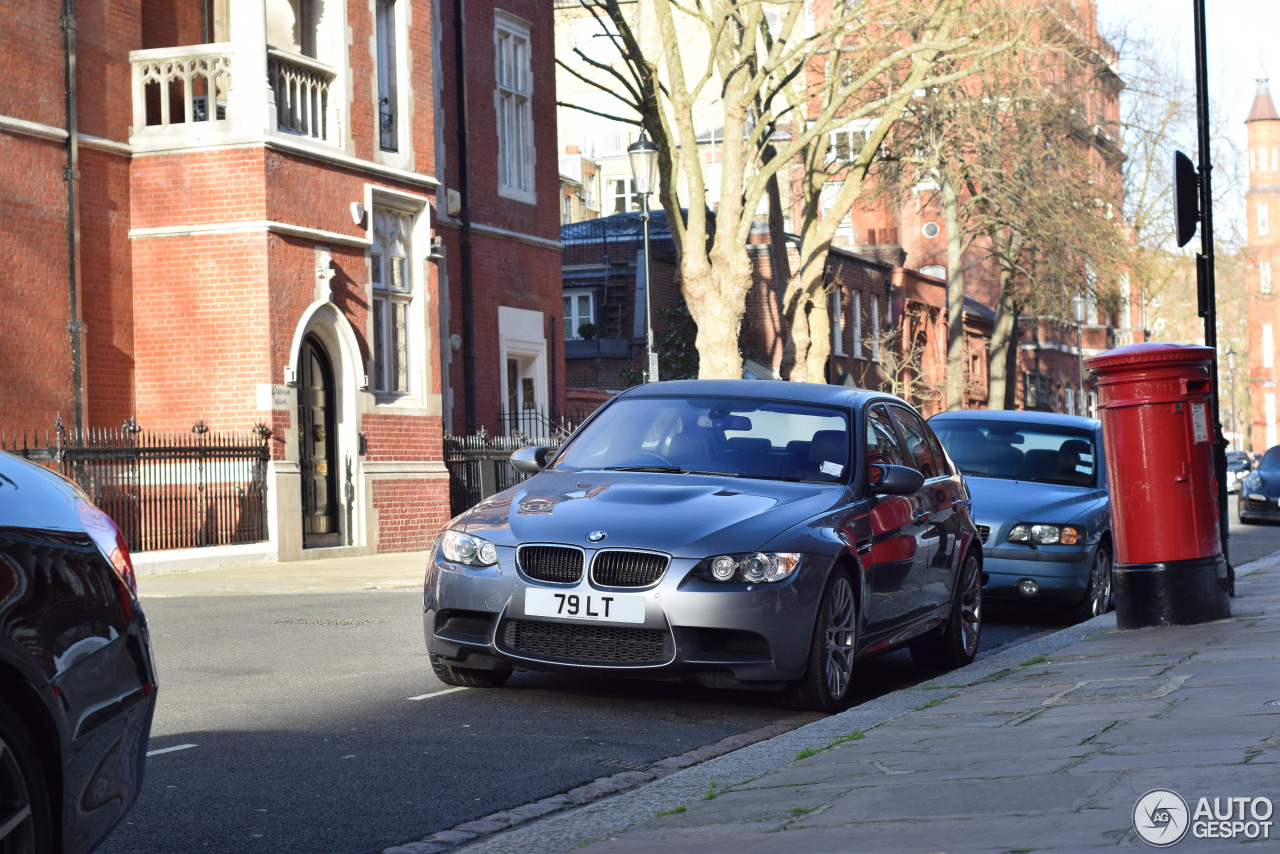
[(596, 536)]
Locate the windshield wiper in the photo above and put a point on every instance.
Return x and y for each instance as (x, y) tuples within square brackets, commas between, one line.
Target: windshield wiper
[(672, 470)]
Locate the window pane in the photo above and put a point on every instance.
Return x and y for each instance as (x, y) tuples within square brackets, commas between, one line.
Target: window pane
[(401, 355), (379, 356)]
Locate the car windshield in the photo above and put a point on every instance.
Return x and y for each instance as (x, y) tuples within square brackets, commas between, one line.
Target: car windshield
[(740, 437), (1270, 460), (1017, 451)]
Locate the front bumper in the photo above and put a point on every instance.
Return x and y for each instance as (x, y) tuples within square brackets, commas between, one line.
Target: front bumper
[(1061, 573), (1254, 506), (744, 634)]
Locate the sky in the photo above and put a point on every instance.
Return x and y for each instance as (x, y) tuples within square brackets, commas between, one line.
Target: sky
[(1242, 44)]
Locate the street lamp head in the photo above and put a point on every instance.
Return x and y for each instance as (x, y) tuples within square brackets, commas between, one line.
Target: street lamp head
[(644, 163), (1077, 307)]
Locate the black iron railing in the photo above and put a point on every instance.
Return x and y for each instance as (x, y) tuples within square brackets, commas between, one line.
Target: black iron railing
[(164, 490), (480, 465)]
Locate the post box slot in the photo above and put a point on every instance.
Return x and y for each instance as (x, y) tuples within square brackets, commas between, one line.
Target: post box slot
[(1195, 386)]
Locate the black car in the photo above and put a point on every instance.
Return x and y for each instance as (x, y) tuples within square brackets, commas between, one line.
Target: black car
[(77, 681), (1260, 490), (731, 533)]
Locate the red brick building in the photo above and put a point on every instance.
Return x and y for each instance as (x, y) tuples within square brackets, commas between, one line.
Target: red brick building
[(273, 212), (1262, 252)]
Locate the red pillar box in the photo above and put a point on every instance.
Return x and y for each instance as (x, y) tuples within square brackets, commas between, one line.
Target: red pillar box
[(1156, 402)]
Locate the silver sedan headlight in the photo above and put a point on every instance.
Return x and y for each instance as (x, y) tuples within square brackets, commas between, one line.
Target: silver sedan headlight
[(467, 549), (752, 568)]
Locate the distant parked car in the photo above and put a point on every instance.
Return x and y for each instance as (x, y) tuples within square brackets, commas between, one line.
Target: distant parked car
[(1260, 491), (1239, 464), (734, 533), (1039, 487), (77, 683)]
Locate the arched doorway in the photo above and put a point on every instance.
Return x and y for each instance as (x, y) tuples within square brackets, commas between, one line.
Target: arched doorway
[(317, 447)]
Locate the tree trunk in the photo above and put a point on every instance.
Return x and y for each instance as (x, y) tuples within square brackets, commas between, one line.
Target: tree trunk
[(1001, 366), (955, 298)]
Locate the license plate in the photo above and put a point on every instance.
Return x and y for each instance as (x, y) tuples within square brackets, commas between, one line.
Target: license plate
[(564, 604)]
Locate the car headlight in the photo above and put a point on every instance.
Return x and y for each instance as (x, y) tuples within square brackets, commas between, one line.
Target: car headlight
[(753, 568), (1045, 535), (458, 547)]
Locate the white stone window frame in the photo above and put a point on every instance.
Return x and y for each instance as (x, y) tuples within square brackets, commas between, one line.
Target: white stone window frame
[(414, 295), (1264, 219), (401, 157), (513, 107), (1264, 275)]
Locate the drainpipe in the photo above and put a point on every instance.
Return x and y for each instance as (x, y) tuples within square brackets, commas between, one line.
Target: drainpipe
[(464, 196), (75, 328)]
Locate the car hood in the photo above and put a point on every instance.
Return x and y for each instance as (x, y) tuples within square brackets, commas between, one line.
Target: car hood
[(675, 513), (998, 499)]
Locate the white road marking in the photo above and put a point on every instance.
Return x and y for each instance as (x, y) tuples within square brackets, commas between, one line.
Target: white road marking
[(437, 693), (170, 749)]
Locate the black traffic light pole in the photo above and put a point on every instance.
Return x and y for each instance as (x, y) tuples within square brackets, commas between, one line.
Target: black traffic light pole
[(1186, 183)]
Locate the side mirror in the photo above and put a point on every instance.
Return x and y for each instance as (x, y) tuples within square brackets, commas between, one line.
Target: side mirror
[(894, 480), (531, 460)]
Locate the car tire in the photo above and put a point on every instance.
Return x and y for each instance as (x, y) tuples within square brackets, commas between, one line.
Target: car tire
[(469, 677), (957, 644), (24, 792), (832, 650), (1100, 590)]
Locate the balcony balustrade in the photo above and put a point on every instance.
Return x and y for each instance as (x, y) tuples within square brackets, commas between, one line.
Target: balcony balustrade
[(301, 87), (185, 96), (180, 85)]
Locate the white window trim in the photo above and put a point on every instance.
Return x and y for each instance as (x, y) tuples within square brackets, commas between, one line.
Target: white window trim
[(573, 294), (1264, 275), (837, 323), (875, 328), (402, 157), (418, 343), (506, 25), (856, 310), (1264, 219)]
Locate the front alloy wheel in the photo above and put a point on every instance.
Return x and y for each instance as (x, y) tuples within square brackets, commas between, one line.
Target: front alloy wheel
[(1097, 596), (825, 686)]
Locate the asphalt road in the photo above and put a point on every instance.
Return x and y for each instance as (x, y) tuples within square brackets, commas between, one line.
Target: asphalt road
[(312, 723)]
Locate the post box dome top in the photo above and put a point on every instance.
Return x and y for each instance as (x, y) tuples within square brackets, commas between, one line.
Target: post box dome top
[(1146, 353)]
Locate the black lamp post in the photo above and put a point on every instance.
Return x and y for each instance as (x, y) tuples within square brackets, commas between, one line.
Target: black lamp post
[(1077, 311), (644, 168)]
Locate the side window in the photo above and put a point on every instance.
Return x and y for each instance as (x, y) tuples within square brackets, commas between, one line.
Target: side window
[(919, 446), (882, 441)]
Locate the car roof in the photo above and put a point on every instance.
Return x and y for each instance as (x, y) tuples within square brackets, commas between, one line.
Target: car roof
[(798, 392), (1020, 416)]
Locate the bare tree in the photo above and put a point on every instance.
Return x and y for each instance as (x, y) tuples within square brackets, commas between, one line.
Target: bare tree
[(1023, 168), (779, 85)]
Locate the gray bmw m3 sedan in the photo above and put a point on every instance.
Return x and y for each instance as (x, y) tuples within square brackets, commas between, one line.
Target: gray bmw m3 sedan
[(733, 533)]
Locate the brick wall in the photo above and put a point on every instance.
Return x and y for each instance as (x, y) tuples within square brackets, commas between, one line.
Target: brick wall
[(410, 512)]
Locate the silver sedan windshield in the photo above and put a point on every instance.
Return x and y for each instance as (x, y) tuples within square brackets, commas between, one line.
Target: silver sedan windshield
[(740, 437)]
